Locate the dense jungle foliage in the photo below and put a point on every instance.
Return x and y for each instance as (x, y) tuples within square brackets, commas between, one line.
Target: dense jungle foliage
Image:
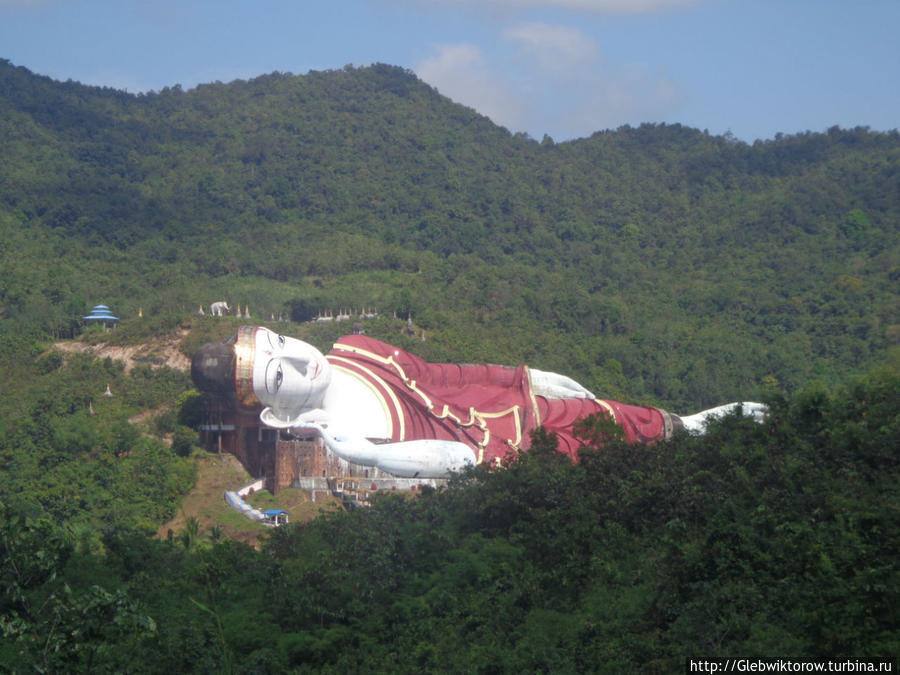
[(779, 538), (656, 265)]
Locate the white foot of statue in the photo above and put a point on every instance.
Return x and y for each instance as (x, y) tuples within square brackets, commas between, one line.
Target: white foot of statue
[(697, 422)]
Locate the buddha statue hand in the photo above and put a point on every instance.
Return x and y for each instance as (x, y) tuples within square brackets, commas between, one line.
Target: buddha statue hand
[(698, 421), (554, 385)]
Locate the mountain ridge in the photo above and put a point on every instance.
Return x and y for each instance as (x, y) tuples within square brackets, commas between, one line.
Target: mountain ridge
[(656, 263)]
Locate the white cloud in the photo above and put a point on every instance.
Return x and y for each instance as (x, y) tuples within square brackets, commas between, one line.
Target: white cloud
[(552, 48), (586, 6), (462, 73), (550, 79), (606, 6), (608, 99), (4, 4)]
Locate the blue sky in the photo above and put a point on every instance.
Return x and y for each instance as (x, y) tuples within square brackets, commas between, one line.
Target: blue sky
[(566, 68)]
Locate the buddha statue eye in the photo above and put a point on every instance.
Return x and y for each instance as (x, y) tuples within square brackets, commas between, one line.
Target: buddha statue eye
[(279, 378), (281, 341)]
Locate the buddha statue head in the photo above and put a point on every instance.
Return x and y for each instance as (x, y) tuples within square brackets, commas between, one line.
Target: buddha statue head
[(262, 369)]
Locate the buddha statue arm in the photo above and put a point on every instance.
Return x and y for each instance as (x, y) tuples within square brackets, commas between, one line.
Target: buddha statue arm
[(430, 458), (307, 415)]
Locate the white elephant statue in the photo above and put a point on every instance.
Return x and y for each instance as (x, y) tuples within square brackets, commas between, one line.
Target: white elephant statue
[(219, 309)]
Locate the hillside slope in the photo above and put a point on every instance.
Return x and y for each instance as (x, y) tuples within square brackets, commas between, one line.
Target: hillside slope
[(656, 264)]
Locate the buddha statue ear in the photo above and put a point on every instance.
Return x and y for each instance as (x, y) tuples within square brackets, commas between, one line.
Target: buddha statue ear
[(270, 419)]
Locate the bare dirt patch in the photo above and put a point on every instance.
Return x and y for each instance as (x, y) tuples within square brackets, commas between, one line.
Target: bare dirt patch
[(165, 351)]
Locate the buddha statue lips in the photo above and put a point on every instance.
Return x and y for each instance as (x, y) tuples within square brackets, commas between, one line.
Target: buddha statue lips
[(378, 405)]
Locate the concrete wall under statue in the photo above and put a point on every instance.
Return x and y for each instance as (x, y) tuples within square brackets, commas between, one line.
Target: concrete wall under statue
[(296, 459), (256, 451), (238, 433)]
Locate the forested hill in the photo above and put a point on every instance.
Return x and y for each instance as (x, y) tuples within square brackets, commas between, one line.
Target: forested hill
[(657, 264)]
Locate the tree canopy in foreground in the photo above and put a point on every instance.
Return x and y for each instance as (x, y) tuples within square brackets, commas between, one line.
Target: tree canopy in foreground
[(756, 539)]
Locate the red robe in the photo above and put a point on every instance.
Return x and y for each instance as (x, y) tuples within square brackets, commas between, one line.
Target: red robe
[(492, 409)]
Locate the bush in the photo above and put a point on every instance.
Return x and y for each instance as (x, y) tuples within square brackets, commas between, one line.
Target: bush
[(190, 408), (166, 422), (184, 440), (49, 363)]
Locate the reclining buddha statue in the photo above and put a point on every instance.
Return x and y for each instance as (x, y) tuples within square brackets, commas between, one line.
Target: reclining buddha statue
[(377, 405)]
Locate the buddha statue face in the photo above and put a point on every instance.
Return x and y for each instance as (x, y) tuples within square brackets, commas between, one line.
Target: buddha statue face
[(288, 376)]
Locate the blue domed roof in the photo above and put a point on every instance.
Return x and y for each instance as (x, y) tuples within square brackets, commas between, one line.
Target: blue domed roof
[(100, 313)]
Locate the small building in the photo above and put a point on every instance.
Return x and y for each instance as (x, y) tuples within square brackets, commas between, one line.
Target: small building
[(101, 314), (276, 517)]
